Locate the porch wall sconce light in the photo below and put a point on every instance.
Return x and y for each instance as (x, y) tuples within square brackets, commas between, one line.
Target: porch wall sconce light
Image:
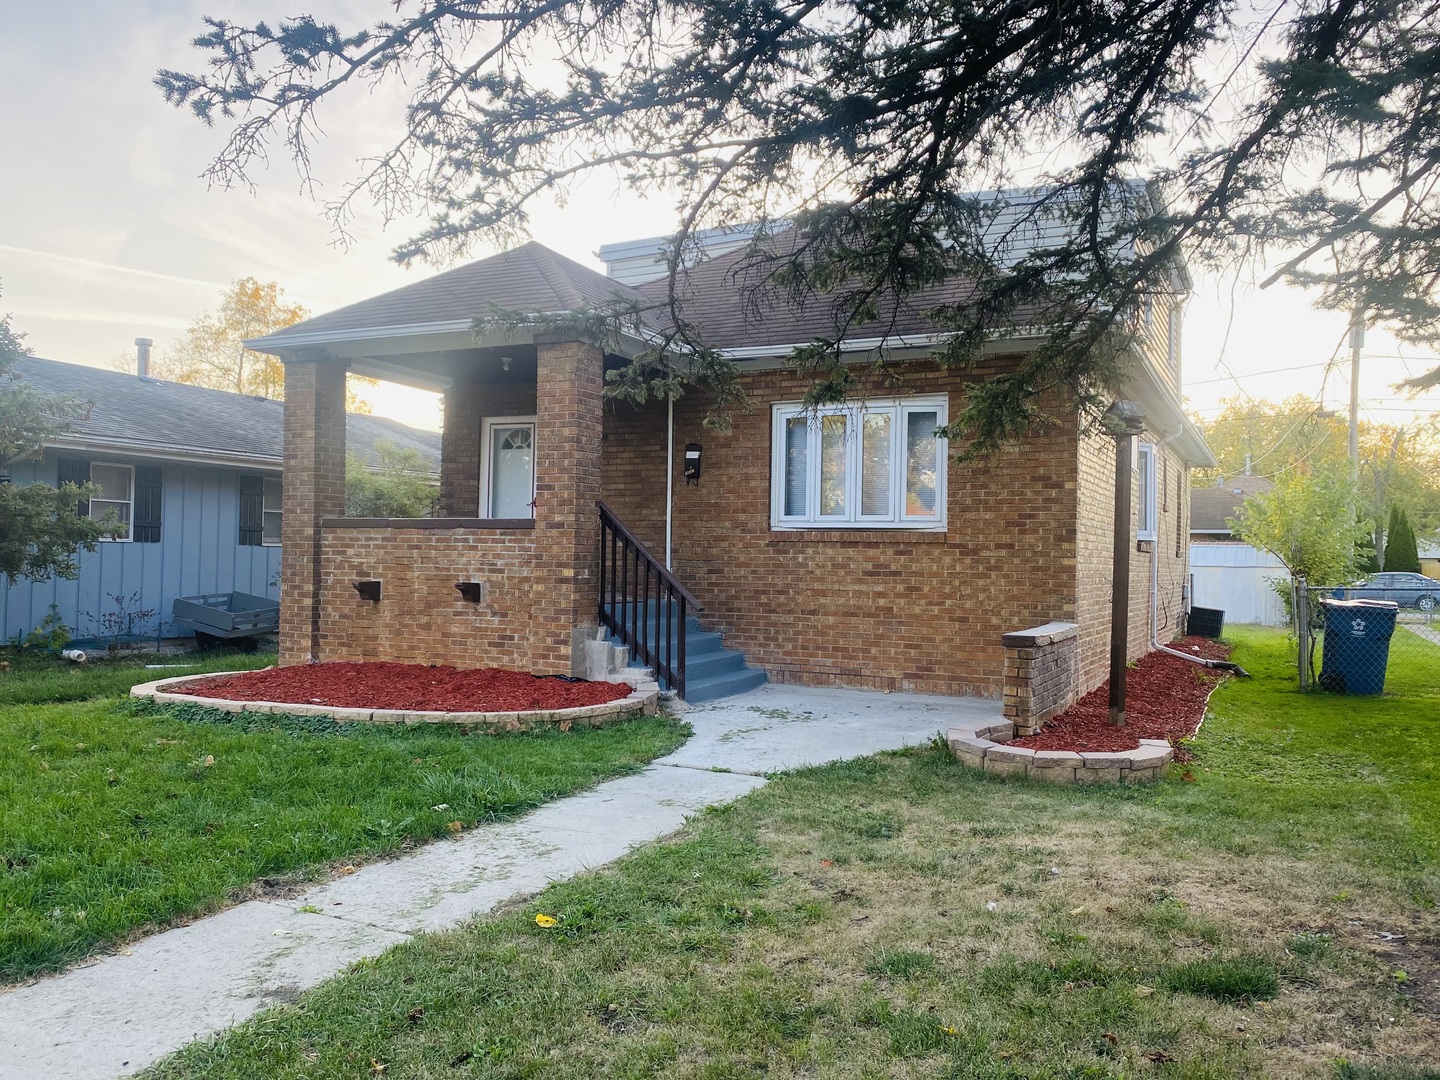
[(473, 591), (368, 590)]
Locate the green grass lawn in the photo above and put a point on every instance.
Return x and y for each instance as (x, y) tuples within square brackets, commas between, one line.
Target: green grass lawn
[(901, 916), (118, 818)]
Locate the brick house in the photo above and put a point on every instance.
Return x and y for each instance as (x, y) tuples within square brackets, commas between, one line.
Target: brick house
[(843, 549)]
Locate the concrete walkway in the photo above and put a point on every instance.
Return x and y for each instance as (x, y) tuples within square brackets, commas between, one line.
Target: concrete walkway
[(120, 1013)]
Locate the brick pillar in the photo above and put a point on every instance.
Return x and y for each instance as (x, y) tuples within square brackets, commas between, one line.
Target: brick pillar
[(460, 451), (568, 426), (1041, 674), (314, 489)]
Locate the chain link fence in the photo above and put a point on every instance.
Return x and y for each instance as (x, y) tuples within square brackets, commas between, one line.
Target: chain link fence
[(1382, 636)]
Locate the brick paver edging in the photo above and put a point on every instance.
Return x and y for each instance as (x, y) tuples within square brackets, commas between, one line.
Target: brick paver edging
[(645, 699), (986, 748)]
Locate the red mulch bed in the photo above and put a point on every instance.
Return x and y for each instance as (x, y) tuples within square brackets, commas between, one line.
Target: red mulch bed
[(1164, 699), (377, 685)]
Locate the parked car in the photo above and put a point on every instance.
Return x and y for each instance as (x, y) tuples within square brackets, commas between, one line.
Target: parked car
[(1407, 590)]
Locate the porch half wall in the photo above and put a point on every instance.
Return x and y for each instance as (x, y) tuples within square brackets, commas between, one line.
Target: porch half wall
[(421, 617)]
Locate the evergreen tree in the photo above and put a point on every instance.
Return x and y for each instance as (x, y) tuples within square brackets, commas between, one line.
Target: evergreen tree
[(1401, 553), (1304, 134), (40, 530)]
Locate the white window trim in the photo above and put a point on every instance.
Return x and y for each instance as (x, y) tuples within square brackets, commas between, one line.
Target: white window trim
[(1146, 484), (896, 519), (486, 438), (265, 509), (130, 502)]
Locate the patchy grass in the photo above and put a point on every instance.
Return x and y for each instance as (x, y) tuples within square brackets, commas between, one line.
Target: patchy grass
[(117, 818), (902, 916), (43, 679)]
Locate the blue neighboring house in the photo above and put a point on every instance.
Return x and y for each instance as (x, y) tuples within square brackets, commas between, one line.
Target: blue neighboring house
[(196, 474)]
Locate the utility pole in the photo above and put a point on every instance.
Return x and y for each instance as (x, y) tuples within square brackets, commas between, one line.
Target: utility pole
[(1357, 340)]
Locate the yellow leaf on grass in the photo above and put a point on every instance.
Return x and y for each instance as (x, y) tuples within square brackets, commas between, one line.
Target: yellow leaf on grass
[(1077, 911), (455, 826), (949, 1031), (546, 921), (209, 761)]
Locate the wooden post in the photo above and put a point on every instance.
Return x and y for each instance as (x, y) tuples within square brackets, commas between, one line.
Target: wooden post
[(1120, 576), (1124, 420)]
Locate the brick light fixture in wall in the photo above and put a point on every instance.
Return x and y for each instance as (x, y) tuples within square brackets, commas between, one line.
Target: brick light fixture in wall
[(1124, 420)]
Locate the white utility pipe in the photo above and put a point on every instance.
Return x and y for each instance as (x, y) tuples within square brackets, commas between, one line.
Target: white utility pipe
[(1155, 643), (669, 473)]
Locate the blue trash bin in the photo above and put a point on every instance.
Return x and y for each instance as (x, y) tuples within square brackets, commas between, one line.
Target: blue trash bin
[(1357, 645)]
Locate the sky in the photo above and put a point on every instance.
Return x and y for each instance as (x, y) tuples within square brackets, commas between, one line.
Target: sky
[(107, 232)]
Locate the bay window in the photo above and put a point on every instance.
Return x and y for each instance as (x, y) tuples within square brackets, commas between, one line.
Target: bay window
[(873, 465)]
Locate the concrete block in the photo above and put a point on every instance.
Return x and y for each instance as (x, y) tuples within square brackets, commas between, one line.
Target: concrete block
[(1099, 776), (1140, 776), (1149, 757), (1106, 760), (1058, 759), (1021, 754), (970, 743), (1005, 768), (1054, 775), (997, 732), (973, 760)]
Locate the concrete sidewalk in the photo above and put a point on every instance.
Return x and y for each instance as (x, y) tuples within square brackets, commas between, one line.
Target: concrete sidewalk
[(118, 1014)]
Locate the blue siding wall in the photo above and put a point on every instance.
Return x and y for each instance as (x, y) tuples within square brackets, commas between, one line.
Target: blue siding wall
[(199, 552)]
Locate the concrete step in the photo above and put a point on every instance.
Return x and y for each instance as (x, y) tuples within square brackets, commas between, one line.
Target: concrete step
[(720, 686), (711, 670)]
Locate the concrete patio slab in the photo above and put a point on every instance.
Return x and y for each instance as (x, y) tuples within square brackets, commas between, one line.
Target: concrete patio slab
[(120, 1013), (778, 726)]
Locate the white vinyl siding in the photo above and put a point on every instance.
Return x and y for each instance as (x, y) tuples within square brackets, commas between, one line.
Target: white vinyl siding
[(1145, 492), (876, 465), (117, 494)]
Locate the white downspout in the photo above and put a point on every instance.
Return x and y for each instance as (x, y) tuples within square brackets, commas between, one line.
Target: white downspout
[(1155, 643), (669, 473)]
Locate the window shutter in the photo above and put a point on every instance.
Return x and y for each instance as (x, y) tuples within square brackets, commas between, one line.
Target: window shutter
[(149, 495), (76, 471), (252, 510)]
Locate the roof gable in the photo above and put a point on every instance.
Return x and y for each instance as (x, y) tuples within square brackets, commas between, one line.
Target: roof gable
[(528, 278)]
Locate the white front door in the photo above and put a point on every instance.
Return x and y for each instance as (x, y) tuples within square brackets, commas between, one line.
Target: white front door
[(509, 467)]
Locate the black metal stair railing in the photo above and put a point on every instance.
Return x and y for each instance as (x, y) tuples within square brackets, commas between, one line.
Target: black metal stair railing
[(642, 604)]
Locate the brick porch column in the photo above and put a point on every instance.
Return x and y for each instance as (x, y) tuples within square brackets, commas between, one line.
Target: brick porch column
[(314, 488), (568, 425)]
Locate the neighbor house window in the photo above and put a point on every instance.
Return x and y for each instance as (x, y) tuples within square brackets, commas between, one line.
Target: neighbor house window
[(1145, 492), (270, 529), (876, 465), (260, 510), (116, 484)]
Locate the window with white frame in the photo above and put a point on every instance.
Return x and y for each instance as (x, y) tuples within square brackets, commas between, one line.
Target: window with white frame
[(1145, 489), (116, 494), (876, 465), (270, 512)]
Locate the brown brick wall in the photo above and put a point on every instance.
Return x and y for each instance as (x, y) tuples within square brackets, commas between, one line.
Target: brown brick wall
[(1094, 574), (421, 618), (314, 489), (466, 406), (881, 608)]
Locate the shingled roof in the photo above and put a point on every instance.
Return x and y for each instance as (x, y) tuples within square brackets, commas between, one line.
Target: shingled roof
[(728, 298), (151, 415), (1210, 506), (529, 278)]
